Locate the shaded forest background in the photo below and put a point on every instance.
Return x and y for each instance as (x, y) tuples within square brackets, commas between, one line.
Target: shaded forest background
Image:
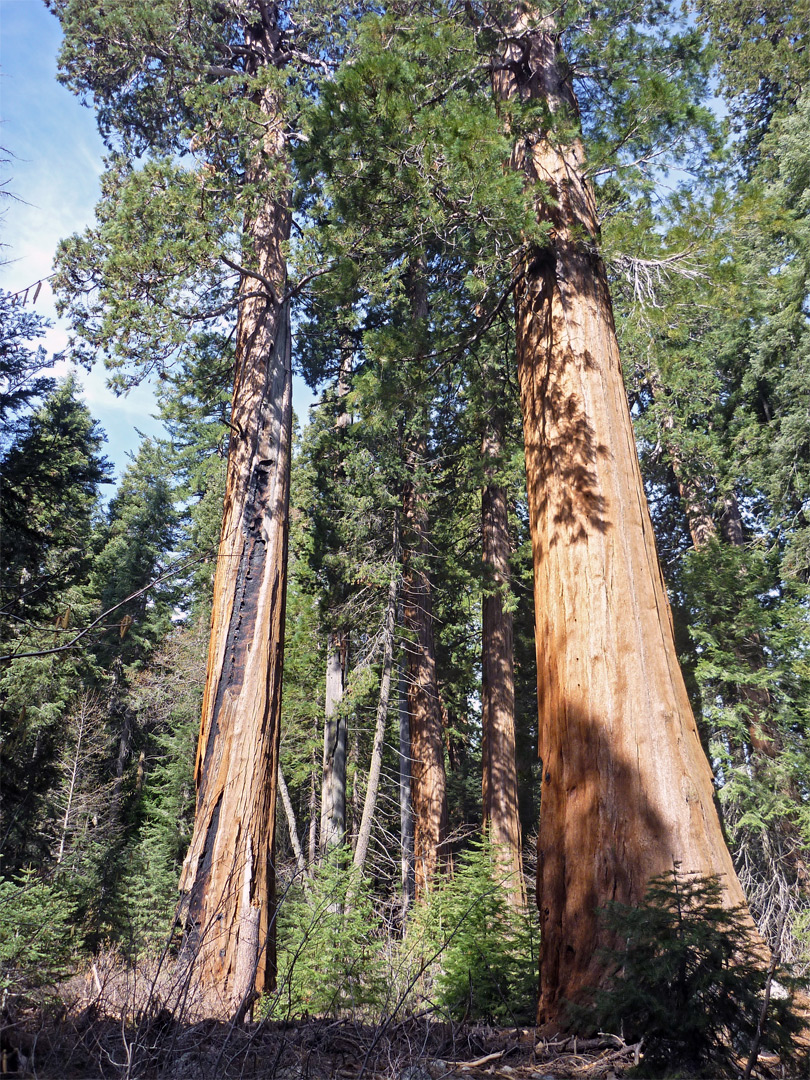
[(401, 263)]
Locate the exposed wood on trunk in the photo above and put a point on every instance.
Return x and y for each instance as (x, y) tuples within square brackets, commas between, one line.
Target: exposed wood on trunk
[(373, 785), (227, 885), (627, 789), (499, 785), (333, 785), (428, 778), (405, 806)]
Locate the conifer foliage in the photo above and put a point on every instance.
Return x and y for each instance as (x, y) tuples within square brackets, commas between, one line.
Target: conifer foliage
[(448, 216)]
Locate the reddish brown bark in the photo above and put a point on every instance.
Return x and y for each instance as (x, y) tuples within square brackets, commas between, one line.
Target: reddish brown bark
[(627, 789), (428, 778), (227, 885), (499, 784)]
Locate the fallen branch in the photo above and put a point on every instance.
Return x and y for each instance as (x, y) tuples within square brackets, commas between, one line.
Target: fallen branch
[(482, 1060)]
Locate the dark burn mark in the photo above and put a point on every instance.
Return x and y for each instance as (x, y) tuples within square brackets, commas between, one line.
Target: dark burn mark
[(241, 629)]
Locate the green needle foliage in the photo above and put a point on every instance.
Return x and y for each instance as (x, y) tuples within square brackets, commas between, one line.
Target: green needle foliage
[(36, 936), (688, 980), (486, 949), (329, 947)]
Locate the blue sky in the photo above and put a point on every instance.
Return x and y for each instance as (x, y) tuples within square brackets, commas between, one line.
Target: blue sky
[(57, 162)]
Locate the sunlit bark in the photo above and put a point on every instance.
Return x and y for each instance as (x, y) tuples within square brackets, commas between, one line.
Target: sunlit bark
[(627, 789)]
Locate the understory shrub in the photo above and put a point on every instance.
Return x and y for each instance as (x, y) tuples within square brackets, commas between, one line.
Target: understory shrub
[(36, 935), (688, 981), (485, 947), (329, 946)]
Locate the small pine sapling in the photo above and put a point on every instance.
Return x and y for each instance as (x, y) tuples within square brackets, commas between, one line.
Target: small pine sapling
[(688, 981), (488, 963)]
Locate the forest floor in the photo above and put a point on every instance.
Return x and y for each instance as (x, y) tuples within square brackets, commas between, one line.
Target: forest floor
[(90, 1044)]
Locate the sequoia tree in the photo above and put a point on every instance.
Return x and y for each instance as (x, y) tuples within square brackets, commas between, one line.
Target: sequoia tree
[(192, 228), (626, 788)]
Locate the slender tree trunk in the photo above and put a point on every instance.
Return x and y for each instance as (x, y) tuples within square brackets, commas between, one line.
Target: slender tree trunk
[(405, 805), (428, 778), (84, 709), (627, 789), (333, 786), (373, 785), (355, 809), (227, 885), (292, 824), (499, 785), (312, 837), (703, 528)]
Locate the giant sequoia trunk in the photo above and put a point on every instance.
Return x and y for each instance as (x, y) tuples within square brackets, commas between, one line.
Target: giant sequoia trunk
[(499, 786), (627, 789), (428, 778), (227, 884)]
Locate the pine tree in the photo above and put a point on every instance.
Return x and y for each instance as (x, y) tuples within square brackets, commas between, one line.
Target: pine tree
[(51, 476), (21, 364), (138, 539)]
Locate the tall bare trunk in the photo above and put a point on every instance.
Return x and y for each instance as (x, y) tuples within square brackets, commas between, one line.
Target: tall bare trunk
[(627, 789), (312, 832), (428, 778), (333, 786), (499, 785), (227, 885), (373, 785), (292, 824), (82, 718), (405, 805)]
